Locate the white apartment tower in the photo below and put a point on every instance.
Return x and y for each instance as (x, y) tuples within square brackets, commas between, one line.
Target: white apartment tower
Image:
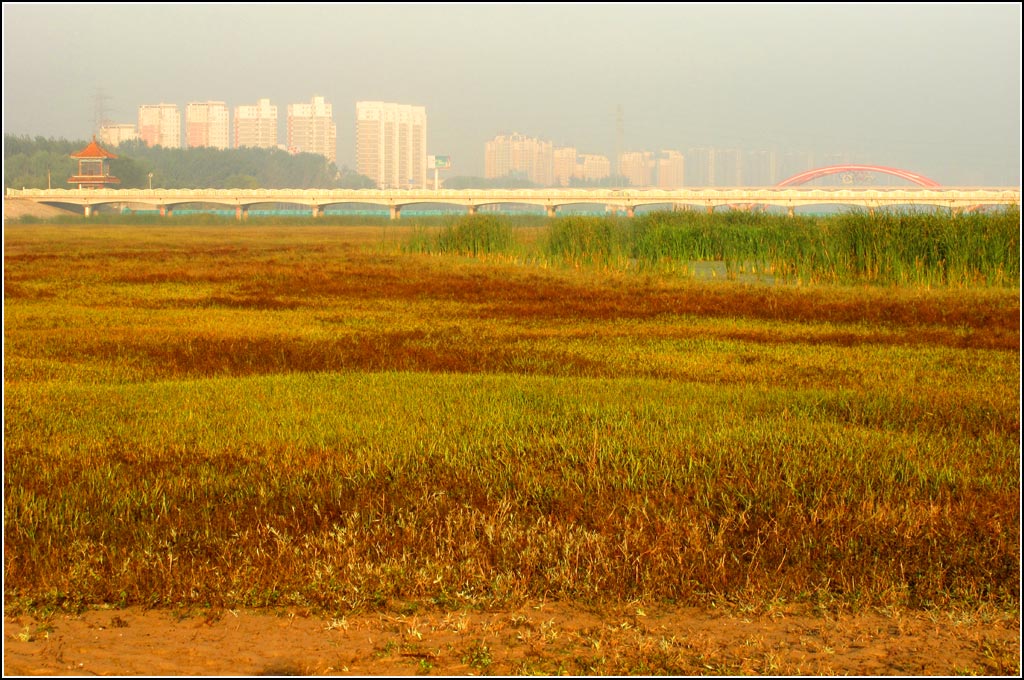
[(591, 167), (671, 169), (563, 163), (160, 125), (519, 156), (311, 129), (391, 144), (206, 124), (256, 125), (637, 167)]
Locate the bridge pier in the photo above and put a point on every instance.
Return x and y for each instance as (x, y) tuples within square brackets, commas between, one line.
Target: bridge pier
[(396, 212), (165, 211), (711, 208), (791, 211), (241, 213), (88, 210), (551, 211), (317, 211), (630, 211), (472, 210)]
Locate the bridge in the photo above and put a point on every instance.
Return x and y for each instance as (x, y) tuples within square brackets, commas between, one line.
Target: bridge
[(628, 200)]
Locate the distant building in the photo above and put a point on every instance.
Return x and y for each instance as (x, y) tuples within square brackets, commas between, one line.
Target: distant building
[(762, 169), (160, 125), (701, 167), (113, 134), (517, 155), (206, 125), (729, 170), (563, 162), (311, 129), (592, 167), (637, 167), (670, 170), (795, 162), (391, 144), (256, 125), (711, 167)]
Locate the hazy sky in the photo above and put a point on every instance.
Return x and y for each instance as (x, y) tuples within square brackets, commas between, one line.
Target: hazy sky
[(933, 88)]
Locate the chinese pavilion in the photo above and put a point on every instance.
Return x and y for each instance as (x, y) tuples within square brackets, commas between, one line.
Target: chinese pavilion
[(93, 167)]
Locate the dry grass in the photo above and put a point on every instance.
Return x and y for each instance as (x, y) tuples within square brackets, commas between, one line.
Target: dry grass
[(248, 417)]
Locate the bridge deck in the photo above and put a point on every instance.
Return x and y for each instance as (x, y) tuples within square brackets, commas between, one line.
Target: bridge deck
[(550, 199)]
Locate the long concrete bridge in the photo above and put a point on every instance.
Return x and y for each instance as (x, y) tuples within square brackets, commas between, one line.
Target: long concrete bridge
[(628, 200)]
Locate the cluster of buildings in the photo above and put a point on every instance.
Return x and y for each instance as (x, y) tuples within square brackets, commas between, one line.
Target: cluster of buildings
[(541, 162), (391, 139), (391, 147)]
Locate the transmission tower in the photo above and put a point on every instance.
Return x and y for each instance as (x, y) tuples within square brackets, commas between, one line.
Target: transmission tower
[(620, 135), (101, 119)]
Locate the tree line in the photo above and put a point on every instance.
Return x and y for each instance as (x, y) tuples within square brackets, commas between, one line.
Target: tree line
[(41, 163)]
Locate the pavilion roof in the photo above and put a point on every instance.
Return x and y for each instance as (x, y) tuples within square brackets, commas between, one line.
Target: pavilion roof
[(93, 150)]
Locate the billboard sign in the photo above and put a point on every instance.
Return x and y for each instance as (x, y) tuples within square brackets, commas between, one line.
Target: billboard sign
[(439, 162)]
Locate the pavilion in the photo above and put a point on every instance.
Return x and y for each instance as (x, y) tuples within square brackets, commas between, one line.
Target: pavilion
[(93, 167)]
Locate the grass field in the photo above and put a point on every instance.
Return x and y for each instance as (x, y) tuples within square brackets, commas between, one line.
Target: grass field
[(338, 417)]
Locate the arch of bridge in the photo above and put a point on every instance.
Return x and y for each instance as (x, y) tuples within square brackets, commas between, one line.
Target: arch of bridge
[(807, 176)]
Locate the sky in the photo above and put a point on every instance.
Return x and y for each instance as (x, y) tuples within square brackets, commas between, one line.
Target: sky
[(931, 88)]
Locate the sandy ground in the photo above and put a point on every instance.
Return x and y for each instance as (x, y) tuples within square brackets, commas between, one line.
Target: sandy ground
[(16, 207), (547, 639)]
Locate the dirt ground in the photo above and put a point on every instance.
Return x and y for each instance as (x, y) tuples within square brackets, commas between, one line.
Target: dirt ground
[(17, 207), (547, 639)]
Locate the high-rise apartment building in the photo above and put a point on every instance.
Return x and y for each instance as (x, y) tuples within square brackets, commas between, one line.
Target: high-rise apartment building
[(729, 170), (517, 155), (160, 125), (591, 167), (311, 129), (762, 168), (256, 125), (670, 170), (206, 124), (637, 167), (391, 144), (700, 170), (113, 134), (563, 161)]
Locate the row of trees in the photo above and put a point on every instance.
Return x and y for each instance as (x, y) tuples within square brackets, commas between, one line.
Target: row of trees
[(40, 163)]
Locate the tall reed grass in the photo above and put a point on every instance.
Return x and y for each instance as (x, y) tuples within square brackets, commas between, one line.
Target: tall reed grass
[(886, 248)]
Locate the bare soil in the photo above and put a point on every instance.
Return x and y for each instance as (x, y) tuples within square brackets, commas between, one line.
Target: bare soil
[(19, 207), (547, 638)]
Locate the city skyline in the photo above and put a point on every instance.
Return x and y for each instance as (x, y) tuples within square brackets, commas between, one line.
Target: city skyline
[(544, 166), (929, 88)]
